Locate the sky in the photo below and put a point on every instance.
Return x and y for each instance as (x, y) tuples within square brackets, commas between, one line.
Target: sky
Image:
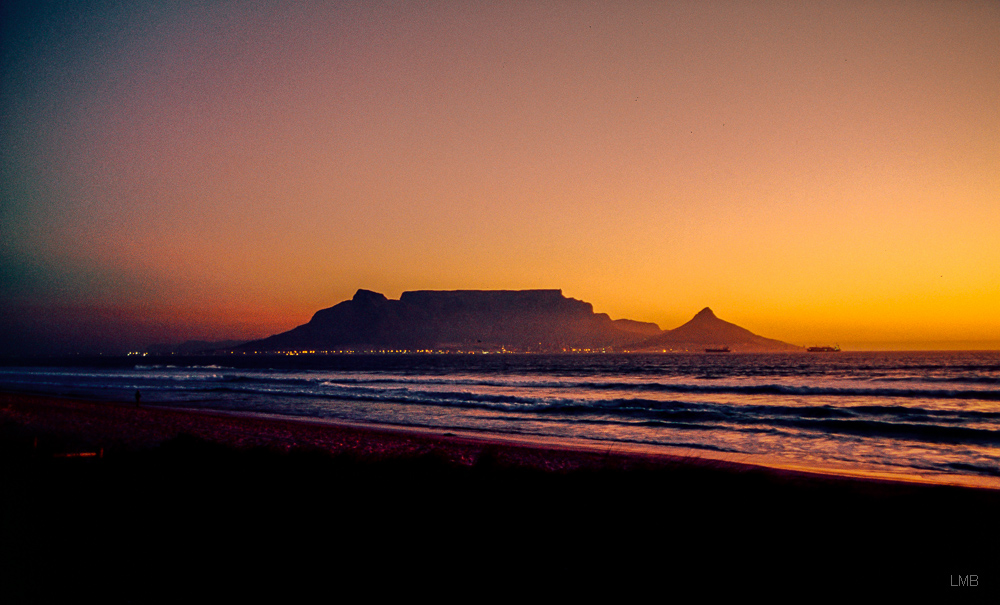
[(817, 172)]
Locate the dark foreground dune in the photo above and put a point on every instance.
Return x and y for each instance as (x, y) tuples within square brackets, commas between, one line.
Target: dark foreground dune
[(141, 504)]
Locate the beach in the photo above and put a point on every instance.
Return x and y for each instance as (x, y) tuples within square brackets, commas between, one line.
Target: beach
[(93, 486)]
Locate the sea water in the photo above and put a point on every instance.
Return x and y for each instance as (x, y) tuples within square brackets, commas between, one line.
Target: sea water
[(934, 414)]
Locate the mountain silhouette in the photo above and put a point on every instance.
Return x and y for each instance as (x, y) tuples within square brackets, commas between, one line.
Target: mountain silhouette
[(513, 320), (706, 330), (499, 320)]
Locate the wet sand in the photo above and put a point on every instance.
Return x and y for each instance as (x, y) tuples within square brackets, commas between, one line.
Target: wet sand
[(148, 493)]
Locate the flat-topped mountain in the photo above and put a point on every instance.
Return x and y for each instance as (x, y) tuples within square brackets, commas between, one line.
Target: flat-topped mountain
[(514, 320), (499, 320), (706, 330)]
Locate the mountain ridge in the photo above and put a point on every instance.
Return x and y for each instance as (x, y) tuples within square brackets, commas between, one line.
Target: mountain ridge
[(497, 320)]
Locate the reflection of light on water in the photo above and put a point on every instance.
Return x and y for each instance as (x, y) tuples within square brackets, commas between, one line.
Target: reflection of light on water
[(887, 411)]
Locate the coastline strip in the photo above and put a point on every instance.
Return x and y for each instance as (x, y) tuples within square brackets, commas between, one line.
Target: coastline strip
[(115, 427)]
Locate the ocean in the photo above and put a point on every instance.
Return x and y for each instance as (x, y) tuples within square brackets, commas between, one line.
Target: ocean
[(931, 414)]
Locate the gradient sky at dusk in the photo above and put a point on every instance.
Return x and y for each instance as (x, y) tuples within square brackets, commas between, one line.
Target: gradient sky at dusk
[(816, 172)]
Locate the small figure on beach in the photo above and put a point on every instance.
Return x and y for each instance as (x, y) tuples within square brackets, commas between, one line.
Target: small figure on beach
[(138, 397)]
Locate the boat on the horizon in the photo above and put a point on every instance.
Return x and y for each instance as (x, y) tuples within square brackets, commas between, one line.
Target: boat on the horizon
[(717, 350), (833, 349)]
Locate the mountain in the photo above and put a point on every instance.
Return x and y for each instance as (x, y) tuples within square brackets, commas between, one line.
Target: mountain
[(513, 320), (499, 320), (707, 330)]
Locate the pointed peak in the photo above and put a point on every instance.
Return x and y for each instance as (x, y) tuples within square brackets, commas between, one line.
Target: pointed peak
[(705, 313)]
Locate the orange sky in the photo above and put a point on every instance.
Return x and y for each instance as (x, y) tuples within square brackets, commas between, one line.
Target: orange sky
[(815, 172)]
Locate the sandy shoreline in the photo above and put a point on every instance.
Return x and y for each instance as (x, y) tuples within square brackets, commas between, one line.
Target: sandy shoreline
[(173, 485), (113, 426), (122, 426)]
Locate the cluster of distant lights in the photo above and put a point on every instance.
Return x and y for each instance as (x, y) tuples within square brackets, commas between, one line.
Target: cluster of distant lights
[(500, 351)]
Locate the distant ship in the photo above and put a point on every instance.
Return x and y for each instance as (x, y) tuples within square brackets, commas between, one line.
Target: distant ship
[(717, 350), (834, 349)]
